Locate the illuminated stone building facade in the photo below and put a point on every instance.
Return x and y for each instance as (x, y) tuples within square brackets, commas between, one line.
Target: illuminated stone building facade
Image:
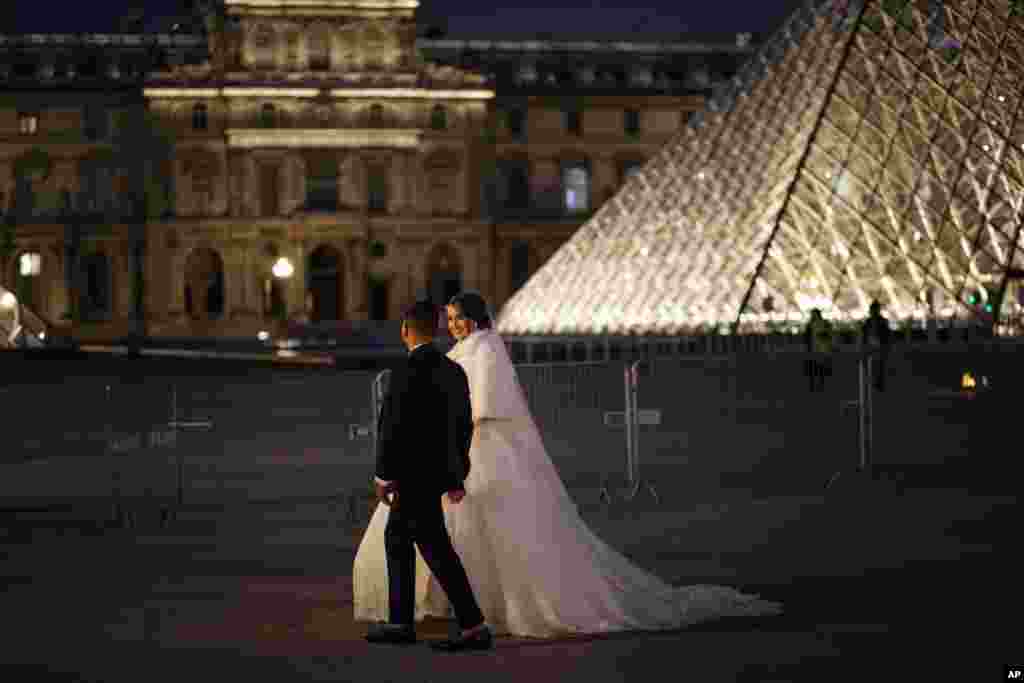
[(370, 164)]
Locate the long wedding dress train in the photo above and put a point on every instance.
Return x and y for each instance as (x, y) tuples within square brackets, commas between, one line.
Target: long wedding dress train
[(536, 568)]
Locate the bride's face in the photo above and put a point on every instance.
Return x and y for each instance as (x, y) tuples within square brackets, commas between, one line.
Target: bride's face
[(458, 327)]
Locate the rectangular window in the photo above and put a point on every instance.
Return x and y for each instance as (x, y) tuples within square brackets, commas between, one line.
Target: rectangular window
[(377, 190), (631, 122), (576, 187), (513, 185), (573, 121), (515, 121), (322, 183), (270, 193), (28, 124)]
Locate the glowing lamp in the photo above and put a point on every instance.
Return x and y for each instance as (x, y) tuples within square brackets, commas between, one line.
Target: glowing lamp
[(283, 268)]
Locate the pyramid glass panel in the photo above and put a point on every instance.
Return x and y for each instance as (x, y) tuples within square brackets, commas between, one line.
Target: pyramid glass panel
[(871, 150)]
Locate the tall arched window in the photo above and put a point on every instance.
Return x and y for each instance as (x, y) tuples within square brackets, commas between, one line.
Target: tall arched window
[(204, 284), (200, 117)]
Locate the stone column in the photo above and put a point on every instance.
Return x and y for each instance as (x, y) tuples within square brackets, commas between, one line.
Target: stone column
[(355, 292), (234, 279), (409, 179), (176, 278), (57, 292), (120, 254), (295, 286), (236, 183)]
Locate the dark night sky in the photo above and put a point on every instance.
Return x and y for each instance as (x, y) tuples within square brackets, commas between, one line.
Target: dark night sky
[(619, 19)]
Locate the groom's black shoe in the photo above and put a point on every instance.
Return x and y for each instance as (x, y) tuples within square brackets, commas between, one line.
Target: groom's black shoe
[(391, 633), (481, 640)]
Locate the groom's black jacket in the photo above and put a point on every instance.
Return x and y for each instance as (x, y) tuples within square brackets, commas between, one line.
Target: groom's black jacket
[(425, 424)]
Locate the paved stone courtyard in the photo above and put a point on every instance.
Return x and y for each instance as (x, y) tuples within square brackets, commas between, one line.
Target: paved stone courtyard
[(875, 576)]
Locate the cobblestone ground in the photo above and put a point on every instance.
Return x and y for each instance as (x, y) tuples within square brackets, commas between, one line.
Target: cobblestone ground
[(877, 577)]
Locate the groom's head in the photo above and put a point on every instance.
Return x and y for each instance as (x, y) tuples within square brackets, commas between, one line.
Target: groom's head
[(419, 323)]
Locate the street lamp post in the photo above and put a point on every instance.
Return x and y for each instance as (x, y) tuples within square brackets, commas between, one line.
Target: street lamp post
[(282, 270)]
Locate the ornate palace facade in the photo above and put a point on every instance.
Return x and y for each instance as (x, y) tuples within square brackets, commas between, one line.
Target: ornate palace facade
[(330, 139)]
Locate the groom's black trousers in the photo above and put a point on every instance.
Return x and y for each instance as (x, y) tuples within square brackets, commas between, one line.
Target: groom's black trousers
[(419, 519)]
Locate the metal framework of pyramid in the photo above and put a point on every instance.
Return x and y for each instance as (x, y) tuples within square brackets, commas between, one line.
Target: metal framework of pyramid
[(871, 150)]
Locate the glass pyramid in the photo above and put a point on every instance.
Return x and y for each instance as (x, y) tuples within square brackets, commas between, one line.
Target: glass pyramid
[(871, 150)]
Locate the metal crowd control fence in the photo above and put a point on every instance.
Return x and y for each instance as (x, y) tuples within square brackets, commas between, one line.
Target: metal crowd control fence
[(577, 410), (140, 440), (176, 435), (144, 447), (757, 422)]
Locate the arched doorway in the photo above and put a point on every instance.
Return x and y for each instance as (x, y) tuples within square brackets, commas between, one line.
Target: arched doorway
[(204, 284), (444, 274), (326, 284)]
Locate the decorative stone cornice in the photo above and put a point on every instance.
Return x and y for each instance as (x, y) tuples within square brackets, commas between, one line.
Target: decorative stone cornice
[(254, 138)]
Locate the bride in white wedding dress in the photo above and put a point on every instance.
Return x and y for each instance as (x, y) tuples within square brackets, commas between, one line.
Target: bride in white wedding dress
[(536, 569)]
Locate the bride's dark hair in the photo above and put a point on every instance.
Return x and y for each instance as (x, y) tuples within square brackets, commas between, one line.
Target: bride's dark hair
[(473, 307)]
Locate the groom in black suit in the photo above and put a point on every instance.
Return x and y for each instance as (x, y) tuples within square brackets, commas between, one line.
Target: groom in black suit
[(424, 431)]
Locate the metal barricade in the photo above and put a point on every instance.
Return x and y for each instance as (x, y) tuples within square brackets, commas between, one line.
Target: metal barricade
[(577, 410), (146, 451), (634, 483), (582, 417), (755, 421)]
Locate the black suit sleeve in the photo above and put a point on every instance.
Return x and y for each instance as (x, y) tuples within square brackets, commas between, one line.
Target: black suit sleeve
[(389, 426)]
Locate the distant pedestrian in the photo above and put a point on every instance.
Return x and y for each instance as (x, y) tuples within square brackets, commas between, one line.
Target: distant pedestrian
[(818, 338), (876, 338)]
